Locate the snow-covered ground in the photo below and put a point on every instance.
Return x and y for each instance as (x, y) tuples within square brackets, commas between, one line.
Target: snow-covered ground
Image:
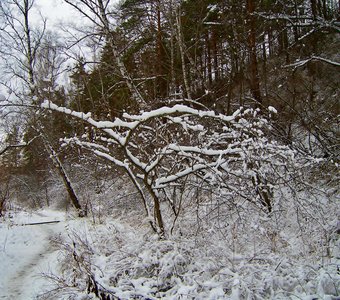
[(128, 262), (26, 252)]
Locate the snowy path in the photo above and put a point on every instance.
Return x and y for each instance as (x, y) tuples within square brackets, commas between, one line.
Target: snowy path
[(25, 253)]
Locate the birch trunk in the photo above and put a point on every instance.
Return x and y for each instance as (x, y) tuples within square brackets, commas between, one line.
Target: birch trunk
[(181, 50)]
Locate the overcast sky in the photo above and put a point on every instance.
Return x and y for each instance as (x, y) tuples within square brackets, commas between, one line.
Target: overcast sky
[(55, 11)]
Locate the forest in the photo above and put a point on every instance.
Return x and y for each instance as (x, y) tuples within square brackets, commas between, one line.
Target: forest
[(198, 140)]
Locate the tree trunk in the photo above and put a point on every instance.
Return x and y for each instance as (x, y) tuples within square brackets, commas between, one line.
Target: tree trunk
[(208, 59), (314, 8), (215, 53), (181, 50), (254, 74), (295, 27), (62, 172), (161, 80), (157, 208), (172, 87)]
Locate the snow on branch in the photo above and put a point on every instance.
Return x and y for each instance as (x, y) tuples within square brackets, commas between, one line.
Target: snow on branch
[(87, 117), (303, 21), (301, 63), (19, 145), (181, 109), (173, 145)]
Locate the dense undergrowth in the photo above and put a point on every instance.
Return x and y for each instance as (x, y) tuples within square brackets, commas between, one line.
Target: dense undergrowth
[(215, 251)]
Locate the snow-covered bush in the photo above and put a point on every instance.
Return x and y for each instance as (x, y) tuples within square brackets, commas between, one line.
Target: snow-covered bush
[(236, 211), (178, 152)]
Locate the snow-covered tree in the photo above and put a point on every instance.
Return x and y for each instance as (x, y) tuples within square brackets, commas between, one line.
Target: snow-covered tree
[(174, 149)]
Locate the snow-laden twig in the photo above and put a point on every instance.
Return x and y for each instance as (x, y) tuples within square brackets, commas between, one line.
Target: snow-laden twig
[(303, 62), (19, 145)]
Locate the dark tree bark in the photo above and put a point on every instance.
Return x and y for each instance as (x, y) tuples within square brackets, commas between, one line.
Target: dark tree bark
[(254, 73), (62, 172), (215, 53), (208, 59), (161, 80), (314, 9)]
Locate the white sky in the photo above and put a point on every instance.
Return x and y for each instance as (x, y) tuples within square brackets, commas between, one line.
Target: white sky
[(55, 11)]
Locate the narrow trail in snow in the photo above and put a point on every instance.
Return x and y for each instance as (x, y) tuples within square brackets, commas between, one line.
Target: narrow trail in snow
[(16, 286)]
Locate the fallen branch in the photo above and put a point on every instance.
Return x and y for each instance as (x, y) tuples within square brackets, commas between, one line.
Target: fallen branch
[(38, 223)]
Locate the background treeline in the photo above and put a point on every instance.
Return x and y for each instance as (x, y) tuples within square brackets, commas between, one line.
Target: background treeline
[(222, 54)]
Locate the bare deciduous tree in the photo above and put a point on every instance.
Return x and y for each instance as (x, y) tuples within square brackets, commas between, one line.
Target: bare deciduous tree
[(24, 44)]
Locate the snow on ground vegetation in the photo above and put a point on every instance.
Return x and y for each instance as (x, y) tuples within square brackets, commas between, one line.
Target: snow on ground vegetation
[(234, 213), (250, 256)]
